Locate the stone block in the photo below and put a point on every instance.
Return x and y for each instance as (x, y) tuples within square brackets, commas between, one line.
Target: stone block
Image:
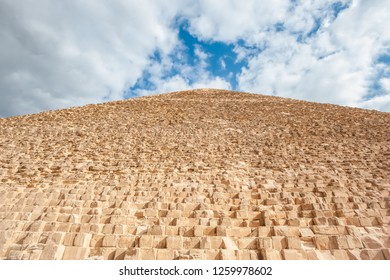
[(220, 231), (386, 253), (229, 244), (291, 254), (323, 243), (75, 253), (213, 254), (216, 242), (191, 242), (120, 254), (264, 231), (147, 254), (354, 242), (156, 230), (271, 254), (82, 239), (109, 241), (146, 241), (228, 254), (52, 252), (286, 231), (324, 255), (293, 242), (279, 243), (175, 242), (165, 254), (238, 231), (69, 239), (372, 255), (265, 243), (340, 254), (305, 232), (126, 241), (249, 243), (371, 242)]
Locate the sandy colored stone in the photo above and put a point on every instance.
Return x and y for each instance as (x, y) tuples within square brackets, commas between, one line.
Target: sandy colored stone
[(199, 174)]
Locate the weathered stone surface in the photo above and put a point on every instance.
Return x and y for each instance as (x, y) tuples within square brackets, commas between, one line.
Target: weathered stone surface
[(202, 174)]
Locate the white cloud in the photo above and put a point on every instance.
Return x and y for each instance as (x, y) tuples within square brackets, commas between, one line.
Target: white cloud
[(61, 54), (234, 19), (336, 65)]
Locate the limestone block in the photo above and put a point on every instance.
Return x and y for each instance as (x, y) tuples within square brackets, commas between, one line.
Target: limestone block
[(250, 243), (213, 254), (5, 238), (228, 254), (293, 242), (146, 241), (221, 231), (311, 255), (52, 252), (229, 244), (126, 241), (323, 243), (238, 231), (165, 254), (82, 239), (174, 230), (174, 214), (340, 242), (132, 254), (264, 231), (265, 243), (329, 230), (197, 254), (324, 255), (286, 231), (372, 255), (386, 253), (108, 253), (147, 253), (120, 254), (75, 253), (97, 240), (306, 232), (55, 238), (175, 242), (109, 241), (354, 242), (156, 230), (291, 254), (191, 242), (371, 242), (340, 254), (279, 242), (141, 230), (271, 254), (69, 239)]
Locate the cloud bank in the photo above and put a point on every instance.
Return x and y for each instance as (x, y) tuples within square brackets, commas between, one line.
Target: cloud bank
[(57, 55)]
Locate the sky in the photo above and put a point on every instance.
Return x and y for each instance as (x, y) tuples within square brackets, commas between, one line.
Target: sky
[(61, 54)]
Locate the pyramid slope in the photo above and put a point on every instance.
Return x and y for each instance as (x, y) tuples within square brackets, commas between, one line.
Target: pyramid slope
[(199, 174)]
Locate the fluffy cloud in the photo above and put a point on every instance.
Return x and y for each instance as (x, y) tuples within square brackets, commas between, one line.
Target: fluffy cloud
[(322, 51), (336, 64), (61, 54)]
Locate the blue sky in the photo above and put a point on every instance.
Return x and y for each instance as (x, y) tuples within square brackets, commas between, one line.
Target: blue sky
[(56, 56)]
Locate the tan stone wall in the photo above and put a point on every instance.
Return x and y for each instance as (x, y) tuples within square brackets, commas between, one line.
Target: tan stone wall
[(203, 174)]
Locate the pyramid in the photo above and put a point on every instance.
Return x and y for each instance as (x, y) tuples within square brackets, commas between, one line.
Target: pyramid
[(201, 174)]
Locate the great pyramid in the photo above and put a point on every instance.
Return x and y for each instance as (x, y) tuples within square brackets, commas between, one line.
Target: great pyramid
[(199, 174)]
